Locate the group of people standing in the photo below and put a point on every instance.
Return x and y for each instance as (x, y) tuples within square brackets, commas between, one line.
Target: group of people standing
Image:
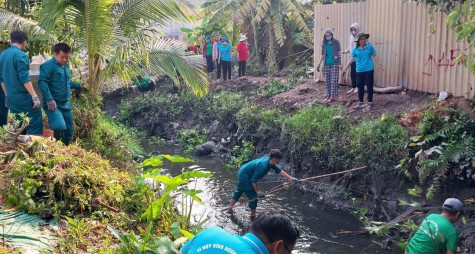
[(54, 81), (361, 62), (218, 50)]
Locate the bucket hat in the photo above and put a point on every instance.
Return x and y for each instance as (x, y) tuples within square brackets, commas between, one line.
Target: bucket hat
[(225, 39), (358, 36), (243, 38)]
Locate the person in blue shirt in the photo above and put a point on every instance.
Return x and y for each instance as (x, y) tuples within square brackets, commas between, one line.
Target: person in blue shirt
[(55, 84), (225, 57), (250, 173), (20, 97), (271, 233), (364, 54)]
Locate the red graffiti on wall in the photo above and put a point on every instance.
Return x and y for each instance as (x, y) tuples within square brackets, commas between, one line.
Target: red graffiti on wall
[(445, 61)]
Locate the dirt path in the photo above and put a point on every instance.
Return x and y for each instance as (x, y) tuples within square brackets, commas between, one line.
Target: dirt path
[(307, 92)]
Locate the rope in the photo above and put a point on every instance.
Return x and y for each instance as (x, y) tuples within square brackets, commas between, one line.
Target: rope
[(279, 188)]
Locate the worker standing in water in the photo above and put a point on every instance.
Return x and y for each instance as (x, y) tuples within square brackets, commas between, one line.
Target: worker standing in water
[(250, 173)]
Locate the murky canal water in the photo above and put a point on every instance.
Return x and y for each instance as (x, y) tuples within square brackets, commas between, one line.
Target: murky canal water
[(317, 223)]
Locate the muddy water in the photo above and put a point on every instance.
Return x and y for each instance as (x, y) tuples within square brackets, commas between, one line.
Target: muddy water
[(317, 223)]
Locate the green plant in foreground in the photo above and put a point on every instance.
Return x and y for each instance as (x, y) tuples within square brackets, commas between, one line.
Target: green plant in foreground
[(161, 208), (53, 180), (78, 228)]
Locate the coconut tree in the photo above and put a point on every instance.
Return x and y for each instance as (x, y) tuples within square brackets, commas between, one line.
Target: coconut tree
[(127, 33)]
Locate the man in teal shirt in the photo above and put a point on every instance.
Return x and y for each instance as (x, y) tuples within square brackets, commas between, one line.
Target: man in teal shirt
[(250, 173), (55, 84), (436, 233), (271, 233), (20, 97)]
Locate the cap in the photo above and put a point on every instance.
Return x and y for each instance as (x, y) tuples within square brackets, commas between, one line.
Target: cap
[(361, 34), (453, 205), (328, 30)]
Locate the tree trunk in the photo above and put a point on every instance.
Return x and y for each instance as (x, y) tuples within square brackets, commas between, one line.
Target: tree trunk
[(271, 64)]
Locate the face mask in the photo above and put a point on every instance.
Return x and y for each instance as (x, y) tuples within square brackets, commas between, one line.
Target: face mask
[(329, 38), (224, 43), (353, 32)]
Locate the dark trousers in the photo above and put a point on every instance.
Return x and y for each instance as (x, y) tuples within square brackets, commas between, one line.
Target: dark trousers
[(218, 69), (226, 69), (209, 63), (3, 110), (362, 79), (242, 68), (353, 75)]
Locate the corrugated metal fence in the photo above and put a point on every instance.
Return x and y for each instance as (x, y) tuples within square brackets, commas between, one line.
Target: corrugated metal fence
[(411, 55)]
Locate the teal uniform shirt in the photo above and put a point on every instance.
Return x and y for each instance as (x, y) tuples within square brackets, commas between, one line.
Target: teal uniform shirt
[(215, 240), (254, 170), (55, 83), (14, 73)]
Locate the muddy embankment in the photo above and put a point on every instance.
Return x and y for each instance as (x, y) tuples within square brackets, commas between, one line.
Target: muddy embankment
[(376, 189)]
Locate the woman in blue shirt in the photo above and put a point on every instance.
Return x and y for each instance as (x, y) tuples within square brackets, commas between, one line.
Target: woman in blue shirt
[(225, 57), (363, 55)]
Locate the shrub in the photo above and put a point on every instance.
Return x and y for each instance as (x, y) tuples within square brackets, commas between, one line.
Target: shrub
[(63, 180), (189, 139)]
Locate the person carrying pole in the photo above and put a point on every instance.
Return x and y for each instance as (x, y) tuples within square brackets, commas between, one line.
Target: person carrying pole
[(20, 97), (250, 173)]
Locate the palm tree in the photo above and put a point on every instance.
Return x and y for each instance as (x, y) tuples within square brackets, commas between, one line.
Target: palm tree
[(127, 33), (272, 13)]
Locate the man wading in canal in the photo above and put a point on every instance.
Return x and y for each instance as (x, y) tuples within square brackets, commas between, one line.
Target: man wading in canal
[(250, 173)]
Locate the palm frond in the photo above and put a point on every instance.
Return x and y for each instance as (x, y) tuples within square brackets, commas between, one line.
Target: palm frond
[(10, 21), (131, 13), (168, 57)]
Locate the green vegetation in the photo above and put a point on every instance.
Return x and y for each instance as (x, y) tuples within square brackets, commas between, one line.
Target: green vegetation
[(273, 87), (445, 146), (95, 131), (53, 180), (338, 142), (241, 155), (189, 139)]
